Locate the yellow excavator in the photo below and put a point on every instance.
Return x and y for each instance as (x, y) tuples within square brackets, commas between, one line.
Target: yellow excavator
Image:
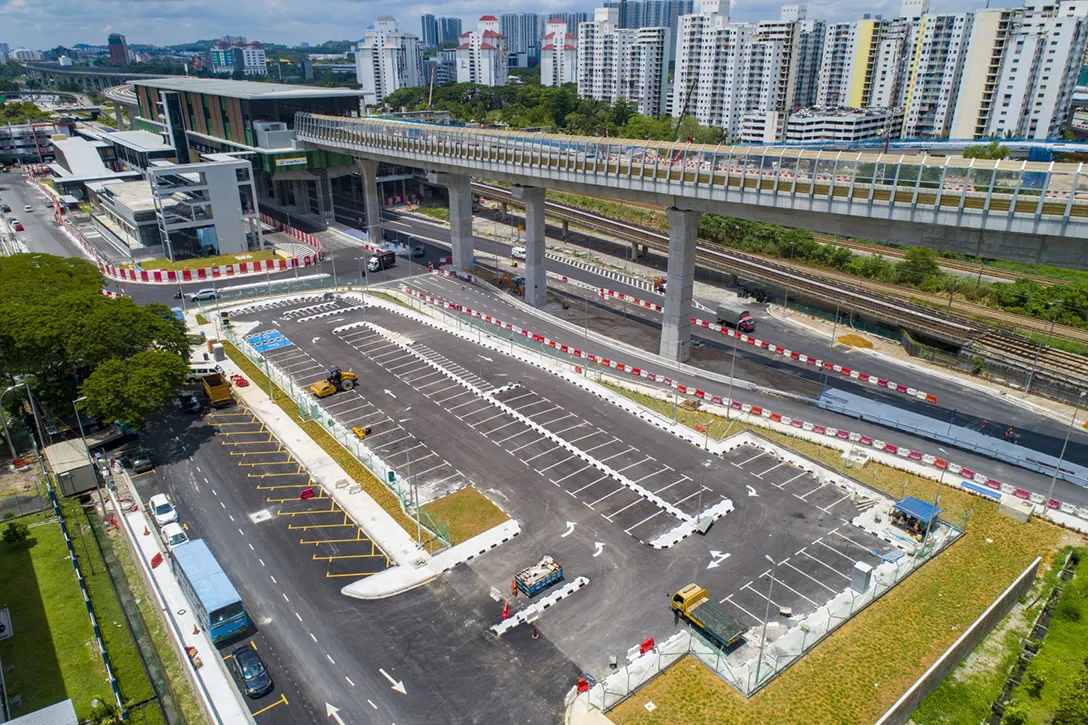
[(334, 382)]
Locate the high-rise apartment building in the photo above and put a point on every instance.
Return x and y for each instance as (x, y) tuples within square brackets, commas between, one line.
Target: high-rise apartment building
[(558, 55), (573, 20), (652, 14), (446, 70), (482, 55), (934, 73), (522, 33), (616, 62), (428, 30), (849, 63), (233, 52), (118, 49), (449, 30), (5, 52), (387, 60), (974, 103)]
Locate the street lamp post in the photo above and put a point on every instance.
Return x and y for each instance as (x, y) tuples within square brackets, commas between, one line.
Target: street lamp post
[(936, 503), (1038, 348), (766, 614), (789, 281), (4, 421), (702, 477), (412, 482), (831, 344), (87, 450), (1061, 458), (732, 369)]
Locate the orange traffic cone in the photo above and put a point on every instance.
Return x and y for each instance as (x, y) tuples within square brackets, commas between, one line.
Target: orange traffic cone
[(513, 587), (196, 630), (146, 532), (535, 633), (505, 611)]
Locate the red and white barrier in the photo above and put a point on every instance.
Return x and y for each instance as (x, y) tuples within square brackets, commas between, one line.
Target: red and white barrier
[(783, 351), (113, 295), (225, 271), (754, 410)]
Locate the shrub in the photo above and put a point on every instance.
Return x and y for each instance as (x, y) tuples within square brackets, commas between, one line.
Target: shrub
[(16, 533), (1034, 682)]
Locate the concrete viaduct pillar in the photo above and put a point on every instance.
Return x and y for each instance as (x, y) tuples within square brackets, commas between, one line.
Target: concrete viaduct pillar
[(372, 201), (536, 279), (676, 326), (459, 187), (117, 117)]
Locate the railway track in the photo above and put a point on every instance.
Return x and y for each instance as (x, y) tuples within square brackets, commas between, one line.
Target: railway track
[(1018, 348), (897, 305)]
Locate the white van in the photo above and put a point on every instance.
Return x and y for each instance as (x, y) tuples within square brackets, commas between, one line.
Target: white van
[(518, 253), (204, 294)]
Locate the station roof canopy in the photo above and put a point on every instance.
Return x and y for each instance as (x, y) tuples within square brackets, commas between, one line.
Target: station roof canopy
[(245, 90), (917, 508)]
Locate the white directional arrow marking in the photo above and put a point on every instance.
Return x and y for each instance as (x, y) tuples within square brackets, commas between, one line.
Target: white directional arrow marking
[(719, 557), (275, 323), (398, 685), (752, 491), (314, 340), (600, 548), (569, 531), (485, 357), (389, 393), (334, 712)]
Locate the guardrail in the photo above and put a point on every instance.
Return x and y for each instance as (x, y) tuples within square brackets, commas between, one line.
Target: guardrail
[(1019, 196)]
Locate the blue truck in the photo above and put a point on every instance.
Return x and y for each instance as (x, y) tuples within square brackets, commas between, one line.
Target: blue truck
[(536, 578)]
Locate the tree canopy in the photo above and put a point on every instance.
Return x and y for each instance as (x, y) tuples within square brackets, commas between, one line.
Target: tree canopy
[(21, 112), (532, 105), (993, 150), (58, 330)]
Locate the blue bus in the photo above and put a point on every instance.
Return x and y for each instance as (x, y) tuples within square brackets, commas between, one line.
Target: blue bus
[(214, 599)]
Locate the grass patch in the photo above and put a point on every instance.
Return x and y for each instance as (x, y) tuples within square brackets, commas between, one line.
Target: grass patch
[(1077, 348), (858, 672), (1061, 659), (854, 340), (351, 465), (128, 667), (53, 654), (1038, 270), (202, 262), (172, 665), (201, 319), (468, 512), (392, 298), (440, 213)]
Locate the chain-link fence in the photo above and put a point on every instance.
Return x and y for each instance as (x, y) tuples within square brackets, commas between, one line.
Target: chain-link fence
[(309, 409)]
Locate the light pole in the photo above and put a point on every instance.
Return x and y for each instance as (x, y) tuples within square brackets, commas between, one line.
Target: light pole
[(676, 388), (732, 369), (766, 614), (789, 281), (1061, 458), (702, 477), (87, 450), (4, 420), (1039, 347), (831, 344), (412, 482), (936, 502)]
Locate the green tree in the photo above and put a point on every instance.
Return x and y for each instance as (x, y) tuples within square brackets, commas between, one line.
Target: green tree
[(57, 329), (130, 390), (918, 263), (1073, 704), (16, 533), (993, 150)]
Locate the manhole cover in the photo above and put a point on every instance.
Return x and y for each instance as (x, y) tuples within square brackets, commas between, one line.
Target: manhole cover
[(262, 515)]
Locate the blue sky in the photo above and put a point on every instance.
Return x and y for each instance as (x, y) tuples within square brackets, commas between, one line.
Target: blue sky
[(44, 24)]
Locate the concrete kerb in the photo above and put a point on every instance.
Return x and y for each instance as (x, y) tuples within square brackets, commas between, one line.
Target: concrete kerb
[(530, 613), (379, 525), (177, 614)]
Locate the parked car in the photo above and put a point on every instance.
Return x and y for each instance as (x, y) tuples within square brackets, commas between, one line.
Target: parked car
[(138, 460), (204, 294), (28, 207), (18, 226), (5, 208), (251, 670), (163, 511), (419, 251), (189, 402), (173, 535)]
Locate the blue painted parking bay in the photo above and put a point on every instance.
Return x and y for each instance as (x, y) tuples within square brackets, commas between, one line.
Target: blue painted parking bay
[(267, 341)]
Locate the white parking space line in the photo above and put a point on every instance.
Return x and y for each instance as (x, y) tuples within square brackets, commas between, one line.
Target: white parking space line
[(406, 451), (606, 443), (831, 548), (681, 480), (753, 458), (588, 435), (786, 483), (447, 399), (761, 475), (462, 405), (583, 488), (804, 574), (508, 401), (666, 468), (504, 425), (576, 425), (564, 460), (808, 493), (520, 432), (640, 523), (607, 495), (647, 458), (383, 446), (443, 464), (500, 414), (617, 513), (764, 596), (431, 374), (372, 436), (827, 509), (824, 564), (727, 599), (564, 478), (412, 363), (842, 536), (549, 410), (535, 440), (538, 455), (550, 423), (779, 581), (447, 478), (690, 496), (441, 378), (629, 449)]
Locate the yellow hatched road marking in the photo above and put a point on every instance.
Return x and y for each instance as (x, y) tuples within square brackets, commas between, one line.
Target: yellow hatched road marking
[(286, 485), (348, 556), (357, 574)]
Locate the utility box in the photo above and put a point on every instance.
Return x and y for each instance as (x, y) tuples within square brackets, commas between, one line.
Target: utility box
[(218, 353), (861, 578), (69, 462)]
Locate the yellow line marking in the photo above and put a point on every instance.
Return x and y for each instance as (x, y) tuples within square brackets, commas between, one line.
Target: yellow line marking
[(291, 527), (266, 475), (263, 453), (240, 422), (246, 443), (227, 657), (270, 463), (289, 485), (296, 498), (281, 701), (359, 538), (338, 576), (137, 475), (348, 556)]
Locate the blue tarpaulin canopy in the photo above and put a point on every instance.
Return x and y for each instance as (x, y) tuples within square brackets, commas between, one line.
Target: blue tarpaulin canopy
[(918, 509)]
